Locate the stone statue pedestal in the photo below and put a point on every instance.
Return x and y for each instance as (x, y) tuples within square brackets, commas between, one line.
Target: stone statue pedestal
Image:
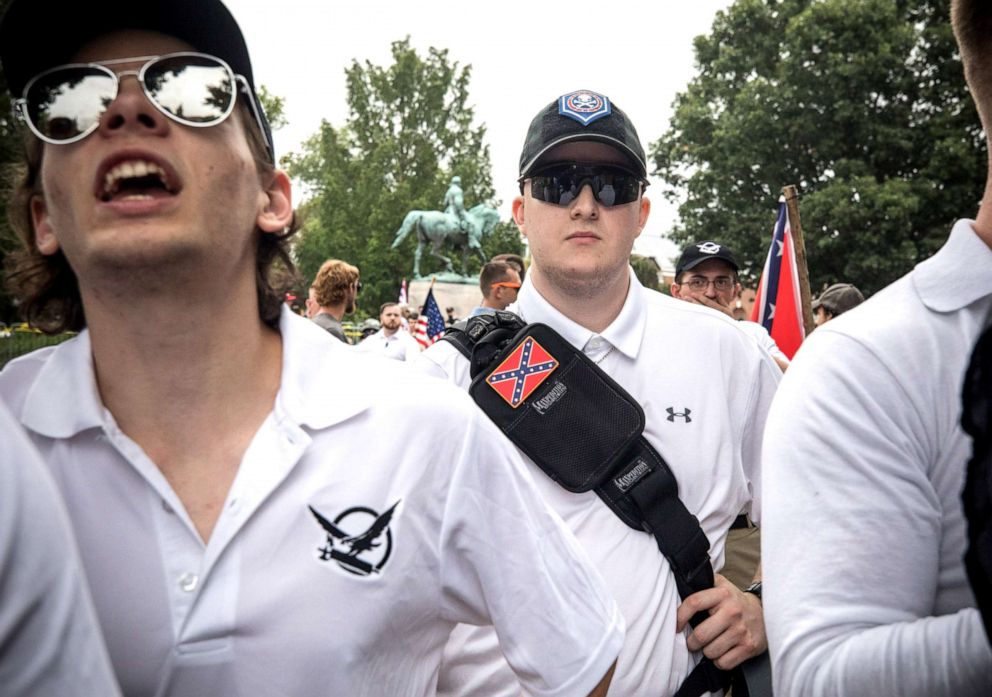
[(461, 296)]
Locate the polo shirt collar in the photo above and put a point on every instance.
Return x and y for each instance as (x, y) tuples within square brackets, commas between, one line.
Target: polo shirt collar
[(625, 333), (68, 375), (321, 377), (309, 394), (958, 274)]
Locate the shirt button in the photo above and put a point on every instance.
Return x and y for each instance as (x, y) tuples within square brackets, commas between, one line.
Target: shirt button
[(188, 582)]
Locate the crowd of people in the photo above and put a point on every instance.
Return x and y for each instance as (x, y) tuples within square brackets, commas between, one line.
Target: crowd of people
[(253, 507)]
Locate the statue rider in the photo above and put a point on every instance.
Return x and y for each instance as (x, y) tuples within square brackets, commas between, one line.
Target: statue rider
[(454, 203)]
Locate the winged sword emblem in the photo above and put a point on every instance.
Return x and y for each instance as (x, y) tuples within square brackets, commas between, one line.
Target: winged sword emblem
[(347, 548)]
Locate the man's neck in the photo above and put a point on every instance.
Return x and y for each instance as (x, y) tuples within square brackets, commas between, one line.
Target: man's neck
[(983, 221), (593, 306), (190, 377), (335, 311), (389, 332)]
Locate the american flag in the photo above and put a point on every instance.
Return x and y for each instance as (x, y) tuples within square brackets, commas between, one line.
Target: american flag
[(777, 305), (430, 324)]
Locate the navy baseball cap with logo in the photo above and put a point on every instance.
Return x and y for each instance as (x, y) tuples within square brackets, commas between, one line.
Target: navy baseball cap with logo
[(581, 116), (698, 252), (36, 36)]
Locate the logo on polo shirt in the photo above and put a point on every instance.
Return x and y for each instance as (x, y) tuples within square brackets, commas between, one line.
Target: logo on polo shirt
[(684, 414), (358, 539)]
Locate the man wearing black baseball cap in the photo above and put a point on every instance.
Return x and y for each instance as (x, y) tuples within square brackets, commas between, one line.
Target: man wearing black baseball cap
[(706, 274), (204, 437), (581, 206)]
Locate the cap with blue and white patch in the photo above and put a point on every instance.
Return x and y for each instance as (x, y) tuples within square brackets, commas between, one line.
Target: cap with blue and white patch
[(582, 115)]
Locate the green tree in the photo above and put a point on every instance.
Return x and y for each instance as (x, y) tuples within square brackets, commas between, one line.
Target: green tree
[(10, 153), (274, 107), (409, 130), (860, 103), (646, 270)]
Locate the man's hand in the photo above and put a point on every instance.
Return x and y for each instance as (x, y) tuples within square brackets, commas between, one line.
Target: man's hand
[(735, 629), (708, 302)]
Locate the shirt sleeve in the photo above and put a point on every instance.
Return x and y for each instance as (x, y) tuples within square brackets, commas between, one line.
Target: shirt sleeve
[(508, 560), (442, 360), (851, 538), (767, 376), (52, 646)]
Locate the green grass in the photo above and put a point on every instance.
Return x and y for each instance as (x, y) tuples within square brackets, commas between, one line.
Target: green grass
[(22, 341)]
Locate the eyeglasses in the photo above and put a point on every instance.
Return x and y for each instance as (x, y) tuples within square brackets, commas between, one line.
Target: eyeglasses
[(65, 104), (721, 283), (505, 284), (562, 182)]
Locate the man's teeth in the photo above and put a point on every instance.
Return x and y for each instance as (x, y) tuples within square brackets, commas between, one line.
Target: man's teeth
[(132, 169)]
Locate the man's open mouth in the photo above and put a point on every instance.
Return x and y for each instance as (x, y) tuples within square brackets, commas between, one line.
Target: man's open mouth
[(136, 179)]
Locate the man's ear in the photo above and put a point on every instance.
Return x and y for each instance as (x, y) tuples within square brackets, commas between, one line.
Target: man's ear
[(644, 210), (676, 290), (518, 214), (45, 240), (277, 214)]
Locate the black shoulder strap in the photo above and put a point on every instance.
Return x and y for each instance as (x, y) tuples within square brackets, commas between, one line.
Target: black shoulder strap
[(455, 335), (585, 432)]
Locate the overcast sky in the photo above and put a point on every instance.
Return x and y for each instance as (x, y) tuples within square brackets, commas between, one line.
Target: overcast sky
[(523, 55)]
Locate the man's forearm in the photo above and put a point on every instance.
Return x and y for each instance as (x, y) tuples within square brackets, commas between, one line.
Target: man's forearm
[(604, 684)]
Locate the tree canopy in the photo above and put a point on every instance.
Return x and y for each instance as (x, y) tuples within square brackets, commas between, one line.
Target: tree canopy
[(410, 129), (860, 103), (10, 151)]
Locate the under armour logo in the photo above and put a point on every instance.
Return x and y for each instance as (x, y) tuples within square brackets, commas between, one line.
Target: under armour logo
[(681, 414)]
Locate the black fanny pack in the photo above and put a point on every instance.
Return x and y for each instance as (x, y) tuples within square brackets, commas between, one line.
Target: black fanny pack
[(585, 432)]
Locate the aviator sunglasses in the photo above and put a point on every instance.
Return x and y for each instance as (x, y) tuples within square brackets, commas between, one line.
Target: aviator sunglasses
[(64, 104), (561, 183)]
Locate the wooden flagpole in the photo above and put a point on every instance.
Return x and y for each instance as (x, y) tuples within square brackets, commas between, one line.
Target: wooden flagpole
[(792, 205)]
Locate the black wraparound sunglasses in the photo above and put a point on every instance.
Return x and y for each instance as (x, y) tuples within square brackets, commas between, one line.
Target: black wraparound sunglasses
[(560, 183)]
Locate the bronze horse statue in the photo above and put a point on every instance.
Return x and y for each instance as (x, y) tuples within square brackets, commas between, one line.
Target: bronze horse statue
[(434, 228)]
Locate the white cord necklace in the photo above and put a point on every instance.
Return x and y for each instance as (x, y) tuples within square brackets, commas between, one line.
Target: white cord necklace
[(603, 357)]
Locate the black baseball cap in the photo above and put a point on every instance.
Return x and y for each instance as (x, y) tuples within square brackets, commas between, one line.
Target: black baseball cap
[(698, 252), (36, 35), (579, 116)]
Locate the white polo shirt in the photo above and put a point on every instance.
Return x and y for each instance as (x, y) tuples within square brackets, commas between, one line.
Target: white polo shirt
[(427, 518), (50, 643), (763, 338), (705, 388), (865, 589), (399, 346)]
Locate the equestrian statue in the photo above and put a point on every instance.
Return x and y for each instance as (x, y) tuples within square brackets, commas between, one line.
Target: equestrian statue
[(434, 228)]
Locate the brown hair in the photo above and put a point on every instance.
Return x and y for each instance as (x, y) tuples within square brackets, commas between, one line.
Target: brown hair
[(332, 281), (514, 260), (46, 287), (972, 23), (493, 272)]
